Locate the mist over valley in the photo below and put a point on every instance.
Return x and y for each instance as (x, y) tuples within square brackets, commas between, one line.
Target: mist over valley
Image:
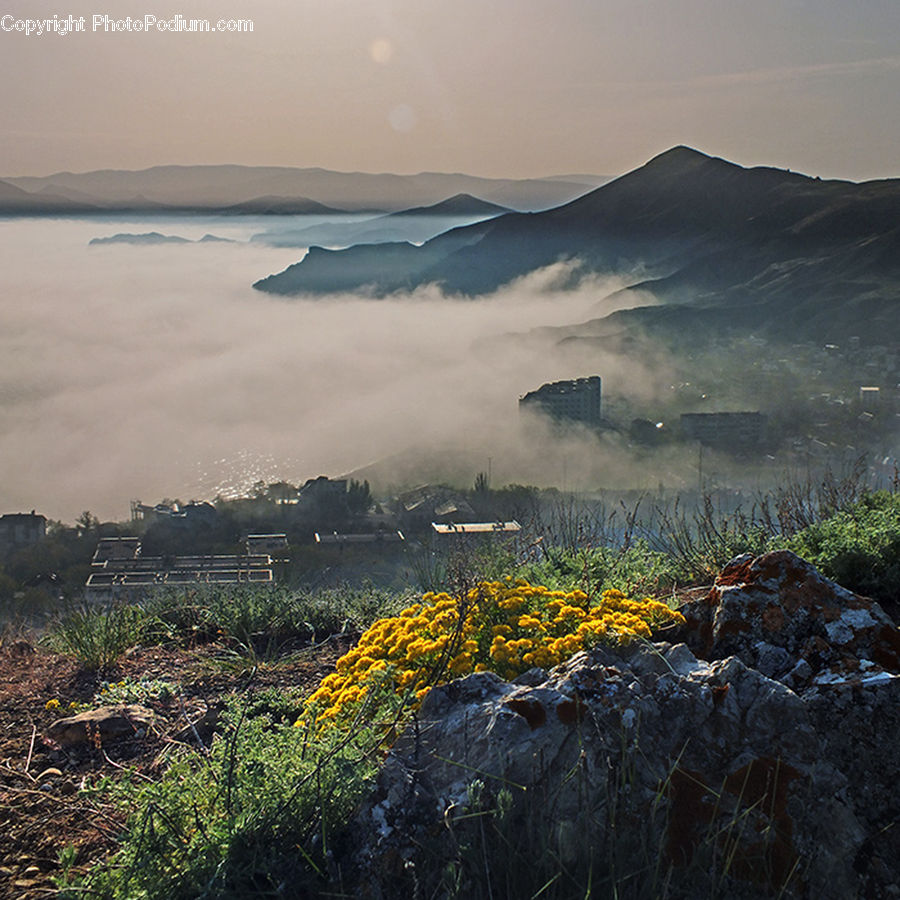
[(155, 370), (140, 362)]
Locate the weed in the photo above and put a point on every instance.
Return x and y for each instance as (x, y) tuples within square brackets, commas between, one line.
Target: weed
[(135, 691), (858, 546), (254, 818), (98, 636)]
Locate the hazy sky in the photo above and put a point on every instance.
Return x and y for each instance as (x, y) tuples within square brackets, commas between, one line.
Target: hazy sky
[(504, 88)]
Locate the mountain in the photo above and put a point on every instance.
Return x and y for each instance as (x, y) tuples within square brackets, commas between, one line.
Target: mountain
[(716, 242), (217, 187), (457, 205), (15, 201), (152, 238), (406, 226), (282, 206)]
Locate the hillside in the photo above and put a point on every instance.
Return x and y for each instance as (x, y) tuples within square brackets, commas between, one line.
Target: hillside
[(722, 244), (412, 226)]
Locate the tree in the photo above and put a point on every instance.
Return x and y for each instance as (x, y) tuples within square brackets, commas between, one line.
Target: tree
[(282, 492), (87, 525), (359, 497)]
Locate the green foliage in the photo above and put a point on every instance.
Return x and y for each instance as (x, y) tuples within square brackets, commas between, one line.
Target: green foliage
[(636, 569), (98, 636), (257, 623), (60, 563), (359, 497), (700, 541), (135, 691), (263, 621), (255, 817), (858, 547)]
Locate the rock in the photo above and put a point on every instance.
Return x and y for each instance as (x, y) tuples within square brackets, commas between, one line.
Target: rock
[(777, 611), (755, 759), (103, 724), (841, 653), (22, 647), (686, 750)]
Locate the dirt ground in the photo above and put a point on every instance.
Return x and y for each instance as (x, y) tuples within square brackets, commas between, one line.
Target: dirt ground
[(44, 807)]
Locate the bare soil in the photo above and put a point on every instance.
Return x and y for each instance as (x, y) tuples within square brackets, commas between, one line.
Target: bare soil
[(46, 801)]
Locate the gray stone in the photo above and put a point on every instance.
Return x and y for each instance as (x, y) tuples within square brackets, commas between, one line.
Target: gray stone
[(102, 724), (767, 737), (720, 738)]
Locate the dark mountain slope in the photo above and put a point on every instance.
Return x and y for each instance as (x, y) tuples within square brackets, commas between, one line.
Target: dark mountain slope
[(710, 234), (413, 226), (457, 205)]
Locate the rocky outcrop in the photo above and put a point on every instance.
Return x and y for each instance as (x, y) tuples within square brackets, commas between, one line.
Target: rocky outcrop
[(770, 768), (782, 617), (841, 653)]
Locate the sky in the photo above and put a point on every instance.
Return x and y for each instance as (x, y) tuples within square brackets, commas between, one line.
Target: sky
[(510, 88)]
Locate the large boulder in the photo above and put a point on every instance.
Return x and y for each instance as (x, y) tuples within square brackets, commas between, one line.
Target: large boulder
[(704, 762), (768, 770), (841, 653)]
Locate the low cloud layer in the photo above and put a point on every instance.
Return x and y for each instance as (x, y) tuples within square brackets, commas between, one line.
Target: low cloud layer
[(148, 372)]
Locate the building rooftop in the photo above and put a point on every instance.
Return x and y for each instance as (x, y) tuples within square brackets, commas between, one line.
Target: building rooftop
[(369, 538), (460, 528)]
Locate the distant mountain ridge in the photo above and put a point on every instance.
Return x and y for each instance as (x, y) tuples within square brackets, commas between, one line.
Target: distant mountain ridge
[(767, 247), (286, 189), (457, 205), (16, 201), (153, 238), (406, 226)]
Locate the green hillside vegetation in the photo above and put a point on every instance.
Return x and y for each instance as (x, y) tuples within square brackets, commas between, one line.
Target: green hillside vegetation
[(858, 547), (263, 810)]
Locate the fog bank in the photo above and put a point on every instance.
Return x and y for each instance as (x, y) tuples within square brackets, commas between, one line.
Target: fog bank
[(156, 371)]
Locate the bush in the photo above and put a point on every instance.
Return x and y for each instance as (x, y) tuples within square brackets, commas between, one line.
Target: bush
[(255, 817), (260, 620), (858, 547), (98, 636), (504, 626), (255, 621), (636, 569)]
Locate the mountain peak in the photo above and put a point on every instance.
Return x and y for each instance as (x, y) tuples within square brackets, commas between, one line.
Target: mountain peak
[(681, 151), (684, 159)]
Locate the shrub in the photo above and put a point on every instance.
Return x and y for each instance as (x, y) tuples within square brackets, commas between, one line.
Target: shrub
[(501, 626), (858, 547), (634, 569), (262, 620), (98, 636), (254, 818)]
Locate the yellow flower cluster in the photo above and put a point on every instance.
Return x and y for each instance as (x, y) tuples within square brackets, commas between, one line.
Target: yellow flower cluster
[(55, 704), (505, 627)]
